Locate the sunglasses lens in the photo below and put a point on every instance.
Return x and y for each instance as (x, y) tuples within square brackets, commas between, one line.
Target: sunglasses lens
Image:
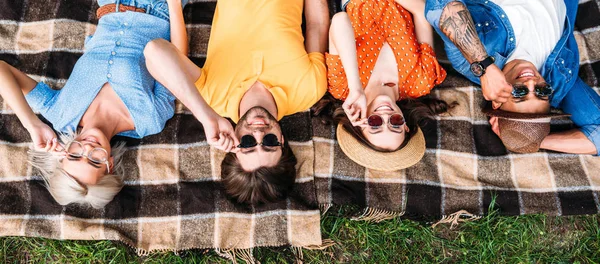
[(247, 141), (375, 121), (519, 91), (396, 120), (544, 90), (270, 140)]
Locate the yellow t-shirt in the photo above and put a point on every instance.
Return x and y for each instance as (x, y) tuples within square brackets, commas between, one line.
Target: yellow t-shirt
[(260, 41)]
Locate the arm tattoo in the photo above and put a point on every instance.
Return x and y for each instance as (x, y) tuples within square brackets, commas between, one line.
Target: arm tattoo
[(457, 24)]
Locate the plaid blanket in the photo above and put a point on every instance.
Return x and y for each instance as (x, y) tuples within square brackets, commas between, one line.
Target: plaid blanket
[(466, 167), (173, 199)]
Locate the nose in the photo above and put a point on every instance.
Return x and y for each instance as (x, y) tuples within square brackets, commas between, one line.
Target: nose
[(531, 84), (87, 148)]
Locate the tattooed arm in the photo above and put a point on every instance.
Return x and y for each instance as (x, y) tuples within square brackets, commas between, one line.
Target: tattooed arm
[(458, 26)]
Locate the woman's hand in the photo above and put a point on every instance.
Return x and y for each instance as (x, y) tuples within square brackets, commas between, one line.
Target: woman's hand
[(355, 107), (415, 7), (220, 134), (44, 138)]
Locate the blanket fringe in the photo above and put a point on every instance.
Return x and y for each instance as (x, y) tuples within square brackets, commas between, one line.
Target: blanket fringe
[(298, 255), (455, 218), (324, 207), (233, 254), (377, 215)]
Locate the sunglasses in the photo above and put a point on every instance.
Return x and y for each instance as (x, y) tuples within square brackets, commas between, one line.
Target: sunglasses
[(375, 121), (269, 140), (97, 156), (542, 90)]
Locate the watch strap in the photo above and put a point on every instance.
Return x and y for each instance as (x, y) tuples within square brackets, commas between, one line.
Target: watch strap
[(487, 62)]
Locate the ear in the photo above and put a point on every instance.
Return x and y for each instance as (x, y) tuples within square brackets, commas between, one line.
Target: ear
[(282, 139), (406, 128), (111, 161)]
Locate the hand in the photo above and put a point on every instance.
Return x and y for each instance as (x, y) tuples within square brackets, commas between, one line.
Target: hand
[(494, 85), (220, 134), (355, 107), (415, 7), (44, 138), (494, 123)]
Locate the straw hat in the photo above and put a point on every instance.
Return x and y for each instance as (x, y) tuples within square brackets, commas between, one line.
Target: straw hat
[(383, 161), (522, 132)]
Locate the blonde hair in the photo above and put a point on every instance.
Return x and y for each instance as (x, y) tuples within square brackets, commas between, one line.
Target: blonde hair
[(65, 189)]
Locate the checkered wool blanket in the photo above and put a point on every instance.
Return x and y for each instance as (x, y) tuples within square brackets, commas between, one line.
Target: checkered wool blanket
[(173, 199)]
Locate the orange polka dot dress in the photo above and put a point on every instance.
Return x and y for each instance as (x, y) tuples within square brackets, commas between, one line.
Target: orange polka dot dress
[(376, 22)]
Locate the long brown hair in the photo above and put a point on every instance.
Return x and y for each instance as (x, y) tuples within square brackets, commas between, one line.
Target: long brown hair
[(417, 112)]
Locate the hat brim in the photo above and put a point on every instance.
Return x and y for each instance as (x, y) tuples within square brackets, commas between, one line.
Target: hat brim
[(514, 115), (403, 158)]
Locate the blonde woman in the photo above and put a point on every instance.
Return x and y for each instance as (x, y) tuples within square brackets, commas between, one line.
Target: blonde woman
[(110, 92)]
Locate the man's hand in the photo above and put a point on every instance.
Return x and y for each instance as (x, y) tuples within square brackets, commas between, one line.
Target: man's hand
[(220, 134), (494, 85), (44, 138), (355, 107)]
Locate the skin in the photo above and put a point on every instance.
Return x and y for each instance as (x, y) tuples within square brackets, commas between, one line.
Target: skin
[(456, 23), (569, 141), (530, 103), (258, 156), (381, 93), (179, 74), (106, 116)]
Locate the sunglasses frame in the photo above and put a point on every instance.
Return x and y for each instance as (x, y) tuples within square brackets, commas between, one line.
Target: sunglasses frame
[(537, 90), (384, 122), (256, 141), (88, 156)]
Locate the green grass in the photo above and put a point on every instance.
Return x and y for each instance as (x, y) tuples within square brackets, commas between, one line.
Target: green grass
[(492, 239)]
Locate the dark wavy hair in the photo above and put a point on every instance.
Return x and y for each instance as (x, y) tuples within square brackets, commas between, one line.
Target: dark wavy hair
[(417, 112), (263, 185)]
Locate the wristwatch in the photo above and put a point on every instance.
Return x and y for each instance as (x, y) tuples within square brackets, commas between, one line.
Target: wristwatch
[(478, 67)]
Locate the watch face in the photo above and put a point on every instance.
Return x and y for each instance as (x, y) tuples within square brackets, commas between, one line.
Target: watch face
[(477, 69)]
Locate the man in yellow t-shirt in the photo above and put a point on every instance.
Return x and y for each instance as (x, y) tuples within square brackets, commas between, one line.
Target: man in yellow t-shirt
[(259, 68)]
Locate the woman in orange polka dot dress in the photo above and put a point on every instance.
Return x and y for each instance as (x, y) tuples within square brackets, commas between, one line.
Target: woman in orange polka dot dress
[(380, 60)]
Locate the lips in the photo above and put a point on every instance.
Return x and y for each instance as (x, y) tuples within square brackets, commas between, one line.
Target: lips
[(384, 107), (526, 73), (91, 139), (258, 122)]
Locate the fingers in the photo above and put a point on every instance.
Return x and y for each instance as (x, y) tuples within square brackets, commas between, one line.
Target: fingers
[(496, 105), (495, 127)]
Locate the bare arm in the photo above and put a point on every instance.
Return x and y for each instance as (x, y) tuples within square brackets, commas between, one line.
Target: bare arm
[(178, 74), (570, 141), (423, 30), (179, 36), (14, 85), (317, 25), (457, 25)]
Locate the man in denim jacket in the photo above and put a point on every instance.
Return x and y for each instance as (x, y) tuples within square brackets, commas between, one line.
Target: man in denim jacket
[(525, 57)]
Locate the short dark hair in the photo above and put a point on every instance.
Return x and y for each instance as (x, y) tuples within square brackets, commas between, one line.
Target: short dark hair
[(262, 185)]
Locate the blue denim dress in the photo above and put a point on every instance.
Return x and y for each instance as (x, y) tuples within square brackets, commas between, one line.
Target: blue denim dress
[(114, 54), (560, 70)]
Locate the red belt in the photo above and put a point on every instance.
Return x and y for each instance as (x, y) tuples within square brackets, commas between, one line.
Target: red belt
[(111, 8)]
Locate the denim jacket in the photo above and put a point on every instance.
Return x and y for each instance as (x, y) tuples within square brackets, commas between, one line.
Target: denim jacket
[(560, 70)]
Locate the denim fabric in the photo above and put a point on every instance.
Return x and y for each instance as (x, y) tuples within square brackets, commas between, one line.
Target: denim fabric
[(560, 69), (114, 55)]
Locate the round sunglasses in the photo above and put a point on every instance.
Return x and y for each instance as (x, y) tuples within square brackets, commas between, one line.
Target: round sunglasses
[(375, 121), (542, 90), (269, 140)]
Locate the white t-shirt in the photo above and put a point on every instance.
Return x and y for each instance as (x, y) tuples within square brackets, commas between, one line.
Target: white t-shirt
[(538, 26)]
